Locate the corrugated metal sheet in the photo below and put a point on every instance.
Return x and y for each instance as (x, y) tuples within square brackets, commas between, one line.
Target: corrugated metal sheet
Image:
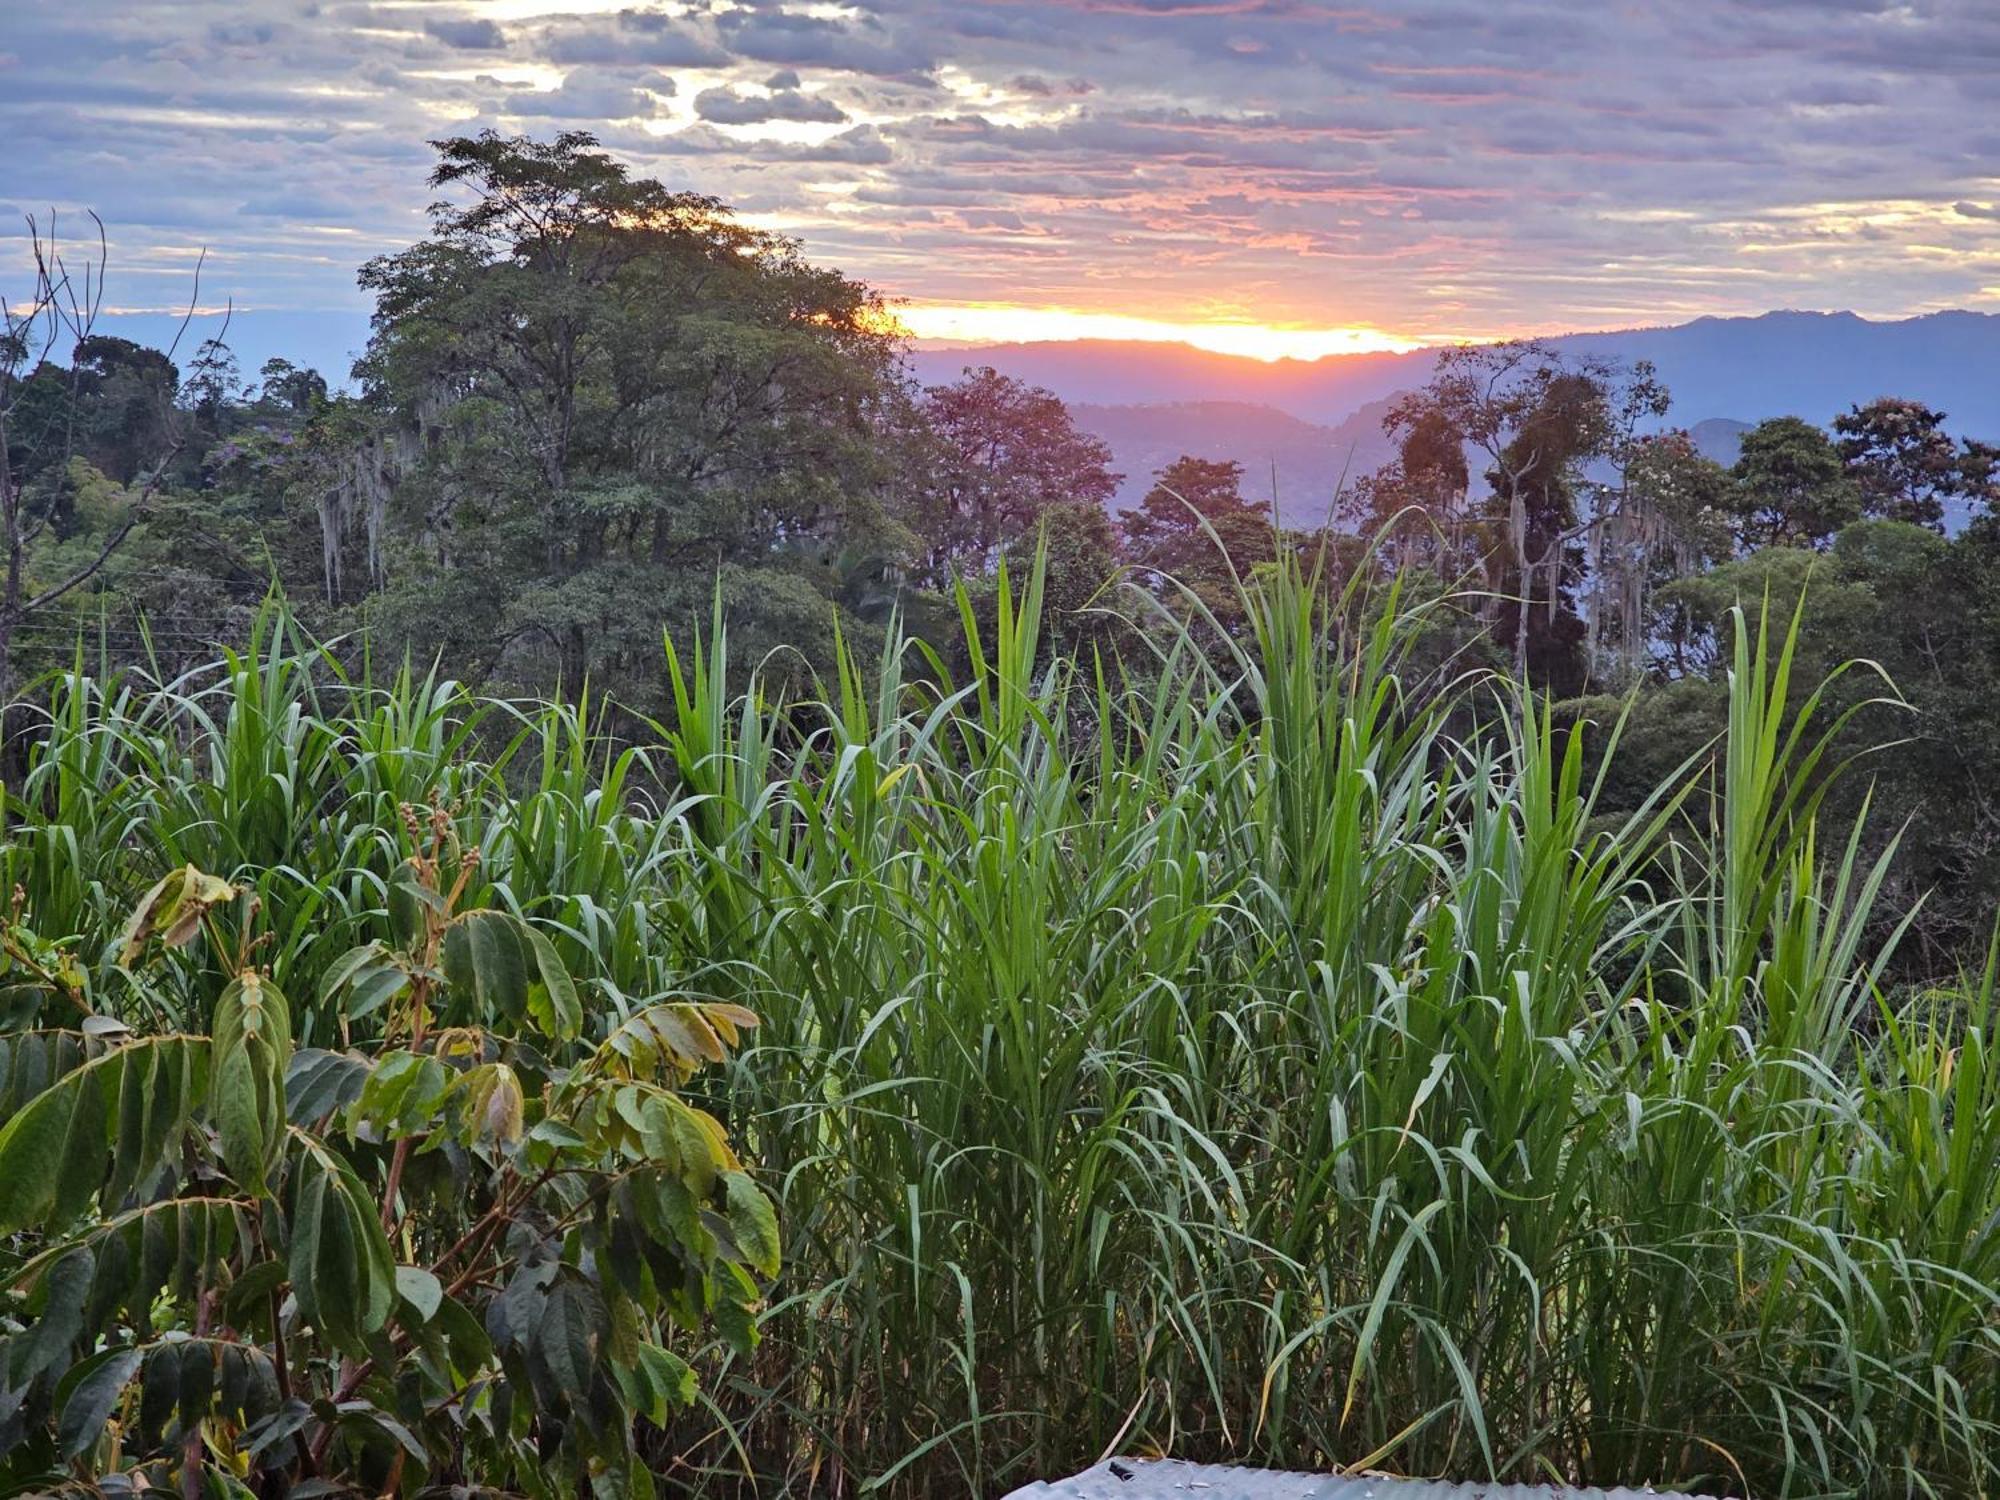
[(1170, 1479)]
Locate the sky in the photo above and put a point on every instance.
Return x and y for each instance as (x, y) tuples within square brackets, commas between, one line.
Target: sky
[(1259, 176)]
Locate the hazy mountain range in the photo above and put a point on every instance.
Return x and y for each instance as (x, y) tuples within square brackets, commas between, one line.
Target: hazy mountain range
[(1311, 422)]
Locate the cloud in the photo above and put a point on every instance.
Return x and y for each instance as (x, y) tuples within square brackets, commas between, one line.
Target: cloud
[(1438, 166), (804, 40), (466, 33), (630, 37), (1042, 88), (584, 95), (861, 146), (726, 106)]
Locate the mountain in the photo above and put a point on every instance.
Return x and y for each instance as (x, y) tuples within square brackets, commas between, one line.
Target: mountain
[(1810, 364), (1301, 462), (1313, 421), (1306, 424), (1719, 438), (1113, 373)]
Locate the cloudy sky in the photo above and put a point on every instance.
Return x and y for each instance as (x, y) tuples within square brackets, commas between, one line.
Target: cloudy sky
[(1329, 174)]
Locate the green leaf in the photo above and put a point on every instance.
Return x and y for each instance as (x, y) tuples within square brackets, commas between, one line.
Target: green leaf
[(132, 1250), (403, 1092), (409, 900), (552, 1003), (55, 1153), (318, 1083), (308, 1211), (420, 1289), (291, 1418), (669, 1380), (366, 1414), (94, 1389), (31, 1153), (752, 1222), (48, 1344), (253, 1048), (250, 1292), (570, 1336), (485, 960), (196, 1387), (362, 980)]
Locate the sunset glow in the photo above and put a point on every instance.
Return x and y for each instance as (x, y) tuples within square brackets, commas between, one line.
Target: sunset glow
[(1273, 182), (997, 323)]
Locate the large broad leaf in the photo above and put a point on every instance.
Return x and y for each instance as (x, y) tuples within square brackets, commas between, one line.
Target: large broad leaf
[(753, 1223), (362, 980), (92, 1391), (319, 1083), (30, 1061), (568, 1340), (402, 1094), (49, 1344), (552, 1001), (62, 1147), (421, 1290), (502, 969), (410, 903), (252, 1048), (138, 1252), (486, 965), (186, 1381), (343, 1275), (658, 1384)]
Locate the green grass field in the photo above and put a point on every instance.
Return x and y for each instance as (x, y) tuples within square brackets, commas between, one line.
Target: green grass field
[(1258, 1061)]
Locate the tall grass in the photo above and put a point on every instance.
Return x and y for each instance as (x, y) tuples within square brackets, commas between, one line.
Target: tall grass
[(1226, 1061)]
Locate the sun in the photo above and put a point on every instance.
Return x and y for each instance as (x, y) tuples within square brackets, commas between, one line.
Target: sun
[(998, 323)]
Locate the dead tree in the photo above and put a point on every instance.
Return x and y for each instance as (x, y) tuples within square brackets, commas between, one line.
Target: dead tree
[(62, 306)]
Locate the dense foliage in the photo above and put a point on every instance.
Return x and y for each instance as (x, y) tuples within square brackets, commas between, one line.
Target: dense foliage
[(1462, 1002), (451, 1242), (1265, 1073), (591, 401)]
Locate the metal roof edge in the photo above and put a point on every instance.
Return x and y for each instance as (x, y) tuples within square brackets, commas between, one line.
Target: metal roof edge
[(1171, 1479)]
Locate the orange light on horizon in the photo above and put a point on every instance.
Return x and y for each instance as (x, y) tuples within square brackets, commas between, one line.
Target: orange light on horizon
[(1000, 323)]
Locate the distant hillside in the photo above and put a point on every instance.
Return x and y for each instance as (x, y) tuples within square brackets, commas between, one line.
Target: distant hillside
[(1810, 364), (1301, 462), (1720, 438)]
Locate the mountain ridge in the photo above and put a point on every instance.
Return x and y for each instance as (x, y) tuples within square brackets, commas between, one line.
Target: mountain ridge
[(1792, 361)]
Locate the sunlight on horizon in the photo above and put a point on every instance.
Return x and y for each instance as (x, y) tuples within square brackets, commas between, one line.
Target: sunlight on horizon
[(997, 323)]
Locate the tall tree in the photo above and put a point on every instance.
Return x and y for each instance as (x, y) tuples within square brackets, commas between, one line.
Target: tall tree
[(1419, 496), (54, 372), (1792, 489), (1905, 465), (599, 393), (1539, 418), (1669, 515), (998, 453), (1195, 529)]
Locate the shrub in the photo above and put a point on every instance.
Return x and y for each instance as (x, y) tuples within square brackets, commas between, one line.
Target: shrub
[(456, 1253)]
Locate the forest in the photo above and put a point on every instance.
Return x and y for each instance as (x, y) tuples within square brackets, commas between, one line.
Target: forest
[(628, 899), (570, 434)]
